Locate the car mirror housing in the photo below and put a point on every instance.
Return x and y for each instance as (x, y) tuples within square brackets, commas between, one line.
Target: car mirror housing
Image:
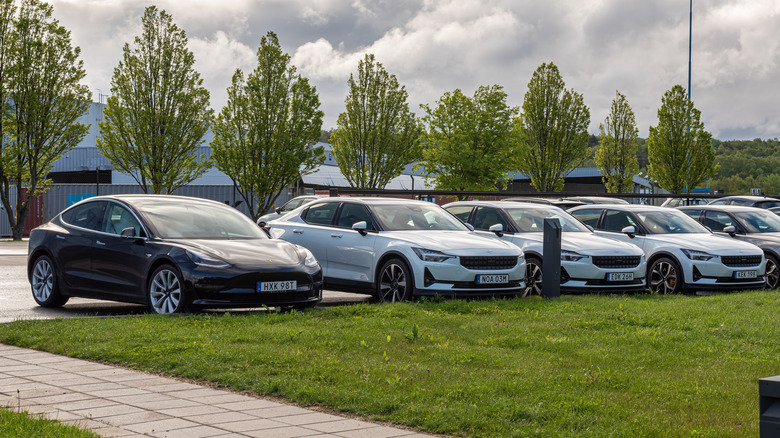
[(731, 230), (498, 229), (360, 227), (278, 210), (630, 231), (128, 232)]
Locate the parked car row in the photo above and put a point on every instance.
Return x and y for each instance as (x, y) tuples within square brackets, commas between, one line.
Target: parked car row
[(174, 253)]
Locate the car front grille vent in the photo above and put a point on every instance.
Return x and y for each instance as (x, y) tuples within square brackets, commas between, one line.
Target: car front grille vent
[(617, 261), (489, 262), (741, 261)]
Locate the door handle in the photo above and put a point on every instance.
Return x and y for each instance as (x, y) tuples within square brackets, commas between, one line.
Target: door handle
[(337, 235), (297, 231), (100, 243), (60, 237)]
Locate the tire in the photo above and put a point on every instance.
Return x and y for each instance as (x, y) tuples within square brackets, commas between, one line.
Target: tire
[(664, 277), (165, 291), (395, 282), (772, 274), (533, 277), (43, 281)]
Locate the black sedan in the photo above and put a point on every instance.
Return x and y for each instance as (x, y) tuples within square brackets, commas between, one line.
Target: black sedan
[(171, 253), (755, 225)]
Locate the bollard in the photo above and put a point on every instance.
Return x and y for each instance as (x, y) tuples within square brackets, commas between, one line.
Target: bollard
[(551, 259)]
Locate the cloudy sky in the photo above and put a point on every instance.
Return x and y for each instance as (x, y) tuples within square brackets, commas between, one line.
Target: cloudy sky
[(637, 47)]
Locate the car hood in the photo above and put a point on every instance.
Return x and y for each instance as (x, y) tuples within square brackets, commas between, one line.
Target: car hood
[(259, 253), (770, 238), (454, 242), (582, 243), (710, 243)]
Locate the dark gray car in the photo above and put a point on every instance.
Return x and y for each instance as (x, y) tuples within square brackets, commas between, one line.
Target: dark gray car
[(755, 225)]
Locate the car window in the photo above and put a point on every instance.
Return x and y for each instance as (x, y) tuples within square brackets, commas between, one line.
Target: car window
[(321, 214), (717, 221), (588, 216), (88, 215), (531, 220), (694, 214), (118, 218), (397, 217), (291, 205), (759, 221), (767, 204), (199, 221), (615, 221), (669, 222), (353, 213), (485, 217), (461, 212), (719, 202)]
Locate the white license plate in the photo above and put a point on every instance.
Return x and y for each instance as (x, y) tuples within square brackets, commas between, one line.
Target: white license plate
[(493, 279), (277, 286), (620, 276), (745, 274)]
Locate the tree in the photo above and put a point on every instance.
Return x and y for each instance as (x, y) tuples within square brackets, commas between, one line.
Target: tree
[(377, 135), (155, 121), (263, 137), (680, 151), (468, 144), (552, 130), (42, 95), (616, 156)]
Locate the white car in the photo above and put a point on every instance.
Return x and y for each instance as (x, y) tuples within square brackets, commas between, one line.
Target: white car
[(589, 263), (681, 253), (399, 248), (288, 206)]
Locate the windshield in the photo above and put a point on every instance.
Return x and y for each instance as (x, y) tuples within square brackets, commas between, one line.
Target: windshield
[(759, 221), (531, 220), (669, 222), (200, 221), (398, 217)]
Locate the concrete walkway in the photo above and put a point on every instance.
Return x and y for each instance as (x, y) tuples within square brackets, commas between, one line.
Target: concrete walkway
[(116, 402)]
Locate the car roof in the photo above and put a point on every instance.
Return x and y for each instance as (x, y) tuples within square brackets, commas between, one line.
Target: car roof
[(504, 204), (623, 207), (370, 200), (596, 199), (141, 198), (749, 197), (722, 208)]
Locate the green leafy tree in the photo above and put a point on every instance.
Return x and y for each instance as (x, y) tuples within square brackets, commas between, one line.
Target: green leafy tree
[(680, 151), (469, 141), (552, 130), (155, 121), (263, 138), (616, 155), (42, 97), (377, 135)]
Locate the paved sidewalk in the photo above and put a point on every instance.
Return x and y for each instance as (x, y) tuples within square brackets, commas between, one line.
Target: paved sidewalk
[(116, 402)]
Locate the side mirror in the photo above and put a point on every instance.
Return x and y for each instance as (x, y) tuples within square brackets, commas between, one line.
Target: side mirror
[(261, 224), (278, 210), (469, 226), (630, 231), (360, 227), (590, 228), (731, 230), (128, 232), (498, 229)]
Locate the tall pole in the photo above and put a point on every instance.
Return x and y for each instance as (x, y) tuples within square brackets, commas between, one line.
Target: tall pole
[(690, 37)]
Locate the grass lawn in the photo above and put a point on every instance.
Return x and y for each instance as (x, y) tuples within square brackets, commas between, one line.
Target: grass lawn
[(587, 366), (21, 425)]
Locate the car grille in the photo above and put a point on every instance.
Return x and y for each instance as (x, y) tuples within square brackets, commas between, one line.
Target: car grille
[(489, 262), (617, 261), (741, 261)]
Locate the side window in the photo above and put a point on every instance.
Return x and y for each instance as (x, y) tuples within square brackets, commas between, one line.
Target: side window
[(617, 220), (118, 218), (89, 215), (745, 202), (461, 212), (485, 217), (588, 216), (717, 220), (321, 214), (291, 205), (719, 202), (694, 214), (353, 213)]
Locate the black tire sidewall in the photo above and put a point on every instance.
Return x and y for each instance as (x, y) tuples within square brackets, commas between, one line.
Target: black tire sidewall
[(408, 292), (183, 301), (678, 287), (56, 299)]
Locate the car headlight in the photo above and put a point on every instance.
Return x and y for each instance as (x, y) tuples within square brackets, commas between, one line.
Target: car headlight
[(309, 260), (571, 256), (429, 255), (201, 259), (697, 255)]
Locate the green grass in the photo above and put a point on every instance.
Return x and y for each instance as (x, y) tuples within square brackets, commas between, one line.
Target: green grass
[(575, 366), (22, 425)]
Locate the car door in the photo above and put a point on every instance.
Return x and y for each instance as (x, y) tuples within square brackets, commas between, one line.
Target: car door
[(119, 263), (613, 223), (351, 255), (73, 250)]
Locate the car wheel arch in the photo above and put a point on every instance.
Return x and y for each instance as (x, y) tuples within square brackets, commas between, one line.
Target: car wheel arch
[(35, 256), (666, 255), (156, 264), (387, 256)]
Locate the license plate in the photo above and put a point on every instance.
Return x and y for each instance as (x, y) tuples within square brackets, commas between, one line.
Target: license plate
[(745, 274), (277, 286), (620, 276), (493, 279)]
